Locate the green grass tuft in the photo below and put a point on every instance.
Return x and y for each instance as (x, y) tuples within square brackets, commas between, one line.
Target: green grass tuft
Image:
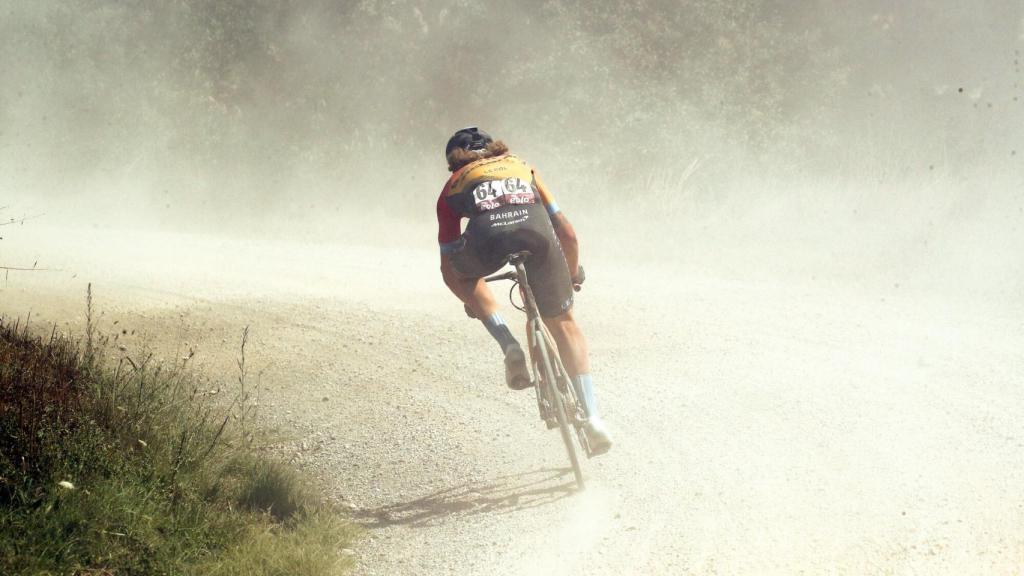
[(131, 470), (271, 487)]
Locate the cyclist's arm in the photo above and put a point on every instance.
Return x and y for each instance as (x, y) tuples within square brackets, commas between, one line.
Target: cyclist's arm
[(563, 228), (449, 226), (570, 244), (449, 238)]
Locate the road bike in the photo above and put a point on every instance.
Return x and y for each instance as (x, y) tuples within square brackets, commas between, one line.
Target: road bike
[(557, 399)]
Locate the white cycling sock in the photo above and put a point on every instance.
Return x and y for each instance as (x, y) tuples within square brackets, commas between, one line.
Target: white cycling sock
[(585, 392)]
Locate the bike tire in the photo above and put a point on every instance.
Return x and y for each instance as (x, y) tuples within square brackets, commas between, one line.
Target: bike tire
[(559, 406)]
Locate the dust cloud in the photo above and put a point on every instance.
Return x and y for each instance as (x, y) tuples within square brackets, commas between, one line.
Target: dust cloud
[(801, 223), (870, 142)]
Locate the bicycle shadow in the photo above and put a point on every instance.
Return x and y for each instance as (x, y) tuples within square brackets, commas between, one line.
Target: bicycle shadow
[(501, 495)]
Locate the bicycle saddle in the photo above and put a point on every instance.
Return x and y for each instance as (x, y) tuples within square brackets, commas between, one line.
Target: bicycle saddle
[(517, 257)]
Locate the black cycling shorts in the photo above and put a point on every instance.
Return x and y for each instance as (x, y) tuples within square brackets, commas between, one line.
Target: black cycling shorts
[(491, 236)]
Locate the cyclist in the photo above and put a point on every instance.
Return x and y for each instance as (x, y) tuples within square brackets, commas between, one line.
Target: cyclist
[(509, 210)]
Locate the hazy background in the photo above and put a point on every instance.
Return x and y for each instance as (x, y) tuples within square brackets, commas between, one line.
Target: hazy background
[(881, 142)]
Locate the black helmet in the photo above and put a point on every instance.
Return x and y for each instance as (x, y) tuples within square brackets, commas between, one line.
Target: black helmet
[(471, 138)]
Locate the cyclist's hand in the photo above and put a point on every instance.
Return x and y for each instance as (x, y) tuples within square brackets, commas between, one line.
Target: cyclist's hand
[(578, 279), (469, 311)]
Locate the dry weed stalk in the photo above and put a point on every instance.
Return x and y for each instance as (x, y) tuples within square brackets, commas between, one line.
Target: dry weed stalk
[(90, 329)]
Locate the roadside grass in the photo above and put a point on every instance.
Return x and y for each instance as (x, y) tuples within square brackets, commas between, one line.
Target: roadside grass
[(135, 469)]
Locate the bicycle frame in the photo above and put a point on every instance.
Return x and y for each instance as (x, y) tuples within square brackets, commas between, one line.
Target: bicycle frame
[(556, 395)]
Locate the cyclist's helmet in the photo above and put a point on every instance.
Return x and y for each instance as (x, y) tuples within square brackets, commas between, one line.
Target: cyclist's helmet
[(471, 138)]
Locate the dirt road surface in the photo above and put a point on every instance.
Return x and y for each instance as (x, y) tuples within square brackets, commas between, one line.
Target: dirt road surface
[(761, 427)]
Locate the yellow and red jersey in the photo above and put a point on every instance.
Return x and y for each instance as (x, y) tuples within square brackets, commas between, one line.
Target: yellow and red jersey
[(485, 185)]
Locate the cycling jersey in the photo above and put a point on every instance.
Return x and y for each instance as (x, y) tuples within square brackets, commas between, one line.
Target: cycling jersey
[(509, 210), (485, 185)]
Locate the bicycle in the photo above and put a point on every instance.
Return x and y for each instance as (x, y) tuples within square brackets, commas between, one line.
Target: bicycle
[(557, 400)]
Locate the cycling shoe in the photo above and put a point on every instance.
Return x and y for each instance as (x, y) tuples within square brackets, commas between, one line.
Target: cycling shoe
[(597, 436), (517, 375)]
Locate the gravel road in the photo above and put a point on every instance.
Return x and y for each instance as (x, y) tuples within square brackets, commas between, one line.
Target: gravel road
[(760, 427)]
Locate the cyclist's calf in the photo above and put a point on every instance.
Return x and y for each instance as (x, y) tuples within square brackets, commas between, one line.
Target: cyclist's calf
[(572, 346)]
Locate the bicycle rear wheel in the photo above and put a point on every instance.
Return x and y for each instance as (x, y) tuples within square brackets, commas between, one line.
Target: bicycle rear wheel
[(555, 398), (573, 407)]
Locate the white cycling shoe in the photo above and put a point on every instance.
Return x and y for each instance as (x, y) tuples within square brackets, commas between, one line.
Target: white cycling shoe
[(517, 375), (597, 435)]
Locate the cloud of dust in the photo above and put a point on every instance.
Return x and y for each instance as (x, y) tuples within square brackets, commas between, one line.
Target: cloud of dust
[(877, 139)]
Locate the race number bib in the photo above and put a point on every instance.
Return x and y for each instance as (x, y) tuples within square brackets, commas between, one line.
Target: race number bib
[(494, 193)]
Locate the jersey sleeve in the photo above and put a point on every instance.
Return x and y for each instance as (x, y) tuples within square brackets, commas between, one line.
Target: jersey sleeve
[(449, 230), (545, 194)]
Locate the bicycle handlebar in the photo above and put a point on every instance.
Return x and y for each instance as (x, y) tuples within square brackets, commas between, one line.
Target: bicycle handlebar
[(514, 276), (577, 282)]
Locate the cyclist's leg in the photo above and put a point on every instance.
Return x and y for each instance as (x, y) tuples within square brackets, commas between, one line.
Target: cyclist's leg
[(479, 298), (549, 278), (552, 288), (572, 346), (473, 261)]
